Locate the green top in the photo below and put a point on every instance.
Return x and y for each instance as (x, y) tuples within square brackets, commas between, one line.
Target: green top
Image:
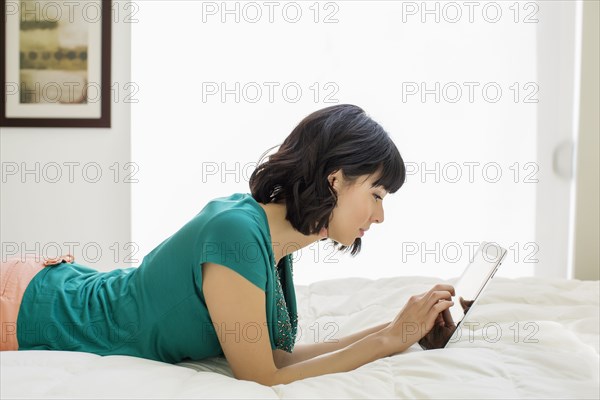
[(157, 310)]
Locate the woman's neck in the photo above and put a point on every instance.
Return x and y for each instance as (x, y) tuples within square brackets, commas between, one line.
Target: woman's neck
[(285, 239)]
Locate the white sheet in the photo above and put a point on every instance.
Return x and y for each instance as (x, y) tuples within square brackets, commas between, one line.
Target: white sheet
[(562, 315)]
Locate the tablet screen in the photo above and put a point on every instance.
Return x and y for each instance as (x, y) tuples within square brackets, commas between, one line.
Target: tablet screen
[(474, 278)]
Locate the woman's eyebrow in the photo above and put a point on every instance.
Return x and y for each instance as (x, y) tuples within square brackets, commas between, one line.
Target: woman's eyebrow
[(382, 189)]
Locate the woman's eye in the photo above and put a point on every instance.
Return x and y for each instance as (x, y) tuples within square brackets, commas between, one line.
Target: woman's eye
[(378, 197)]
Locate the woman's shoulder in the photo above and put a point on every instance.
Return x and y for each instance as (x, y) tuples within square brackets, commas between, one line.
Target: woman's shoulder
[(235, 211), (223, 219)]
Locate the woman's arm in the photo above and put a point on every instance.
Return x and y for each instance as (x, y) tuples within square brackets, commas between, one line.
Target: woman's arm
[(414, 321), (306, 351), (234, 303), (368, 349)]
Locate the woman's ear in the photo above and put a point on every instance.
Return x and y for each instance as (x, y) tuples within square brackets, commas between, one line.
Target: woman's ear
[(334, 179)]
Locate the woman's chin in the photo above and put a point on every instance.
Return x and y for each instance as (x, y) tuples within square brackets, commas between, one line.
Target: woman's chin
[(346, 243)]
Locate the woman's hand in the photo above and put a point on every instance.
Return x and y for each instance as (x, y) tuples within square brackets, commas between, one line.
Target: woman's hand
[(440, 334), (444, 328), (418, 317)]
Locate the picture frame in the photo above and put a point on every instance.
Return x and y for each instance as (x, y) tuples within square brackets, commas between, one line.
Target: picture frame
[(55, 63)]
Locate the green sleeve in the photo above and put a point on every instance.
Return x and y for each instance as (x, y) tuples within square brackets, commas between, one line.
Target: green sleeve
[(234, 240)]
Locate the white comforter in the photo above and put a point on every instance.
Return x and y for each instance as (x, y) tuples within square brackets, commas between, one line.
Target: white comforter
[(534, 339)]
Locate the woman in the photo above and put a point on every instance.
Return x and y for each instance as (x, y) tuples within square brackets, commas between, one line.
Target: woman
[(222, 284)]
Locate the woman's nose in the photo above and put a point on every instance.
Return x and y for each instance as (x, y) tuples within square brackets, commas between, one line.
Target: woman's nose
[(378, 216)]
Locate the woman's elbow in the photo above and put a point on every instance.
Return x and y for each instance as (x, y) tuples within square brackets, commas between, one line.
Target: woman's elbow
[(268, 379)]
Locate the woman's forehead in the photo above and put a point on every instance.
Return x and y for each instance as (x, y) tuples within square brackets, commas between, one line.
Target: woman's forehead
[(370, 181)]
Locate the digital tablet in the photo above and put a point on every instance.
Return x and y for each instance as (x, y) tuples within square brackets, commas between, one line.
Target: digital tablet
[(473, 282)]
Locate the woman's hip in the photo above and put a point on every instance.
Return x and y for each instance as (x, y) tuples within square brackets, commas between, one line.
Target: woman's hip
[(15, 275)]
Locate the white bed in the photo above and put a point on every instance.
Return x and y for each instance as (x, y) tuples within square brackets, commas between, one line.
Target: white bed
[(561, 315)]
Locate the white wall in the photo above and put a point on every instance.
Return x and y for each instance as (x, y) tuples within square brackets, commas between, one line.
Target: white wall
[(369, 57), (178, 138), (41, 217)]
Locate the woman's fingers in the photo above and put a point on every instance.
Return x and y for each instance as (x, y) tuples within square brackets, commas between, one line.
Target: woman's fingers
[(440, 306), (447, 317), (443, 287), (437, 288), (440, 287), (439, 320), (426, 308), (435, 297)]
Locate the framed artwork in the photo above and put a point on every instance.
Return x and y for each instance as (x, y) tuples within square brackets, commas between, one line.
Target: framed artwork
[(55, 63)]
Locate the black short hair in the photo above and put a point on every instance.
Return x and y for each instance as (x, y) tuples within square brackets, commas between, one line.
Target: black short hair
[(341, 137)]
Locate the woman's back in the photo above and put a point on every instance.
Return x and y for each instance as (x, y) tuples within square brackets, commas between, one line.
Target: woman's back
[(157, 310)]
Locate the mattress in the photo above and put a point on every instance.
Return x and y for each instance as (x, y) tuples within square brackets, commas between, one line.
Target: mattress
[(527, 338)]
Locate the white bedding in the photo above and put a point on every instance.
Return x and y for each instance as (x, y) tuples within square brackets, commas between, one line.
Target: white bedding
[(561, 315)]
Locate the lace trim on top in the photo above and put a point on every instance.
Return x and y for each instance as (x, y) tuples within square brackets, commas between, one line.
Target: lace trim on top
[(286, 325)]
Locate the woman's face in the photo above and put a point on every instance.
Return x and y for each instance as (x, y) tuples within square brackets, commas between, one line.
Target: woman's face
[(359, 205)]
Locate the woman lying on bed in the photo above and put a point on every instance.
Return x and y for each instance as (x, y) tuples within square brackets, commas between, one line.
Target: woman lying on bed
[(222, 284)]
